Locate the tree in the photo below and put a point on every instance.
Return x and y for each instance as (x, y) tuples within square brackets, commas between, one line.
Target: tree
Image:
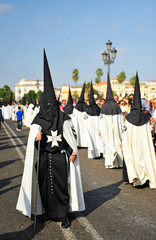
[(75, 75), (6, 94), (132, 81), (99, 73), (121, 77)]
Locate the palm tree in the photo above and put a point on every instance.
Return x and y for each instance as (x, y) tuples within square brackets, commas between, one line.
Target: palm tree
[(132, 81), (75, 75), (121, 77), (99, 73)]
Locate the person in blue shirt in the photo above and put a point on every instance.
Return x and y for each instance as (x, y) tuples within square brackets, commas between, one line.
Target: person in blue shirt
[(1, 115), (19, 115)]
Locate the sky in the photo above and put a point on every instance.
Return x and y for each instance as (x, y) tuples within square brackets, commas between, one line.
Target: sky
[(74, 34)]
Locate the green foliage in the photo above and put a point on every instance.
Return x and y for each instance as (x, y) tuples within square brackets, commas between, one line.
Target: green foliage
[(75, 75), (99, 73), (132, 81), (121, 77), (6, 94), (33, 94)]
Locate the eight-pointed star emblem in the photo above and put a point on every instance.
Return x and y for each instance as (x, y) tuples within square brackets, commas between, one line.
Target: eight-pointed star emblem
[(54, 138)]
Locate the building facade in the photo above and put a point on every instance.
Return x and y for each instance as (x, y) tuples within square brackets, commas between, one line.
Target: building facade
[(148, 89)]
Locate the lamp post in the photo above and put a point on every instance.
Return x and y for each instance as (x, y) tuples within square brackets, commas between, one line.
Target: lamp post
[(108, 60), (37, 85), (19, 92)]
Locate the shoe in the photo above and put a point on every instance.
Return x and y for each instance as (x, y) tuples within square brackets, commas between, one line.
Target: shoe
[(17, 129), (65, 222)]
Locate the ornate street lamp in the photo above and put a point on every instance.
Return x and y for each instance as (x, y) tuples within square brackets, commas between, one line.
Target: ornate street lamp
[(37, 85), (106, 55), (19, 92)]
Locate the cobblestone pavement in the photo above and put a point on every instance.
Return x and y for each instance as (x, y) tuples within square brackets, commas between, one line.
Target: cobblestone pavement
[(114, 210)]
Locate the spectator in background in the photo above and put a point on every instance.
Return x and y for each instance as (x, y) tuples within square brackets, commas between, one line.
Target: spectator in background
[(19, 115), (1, 116), (116, 98)]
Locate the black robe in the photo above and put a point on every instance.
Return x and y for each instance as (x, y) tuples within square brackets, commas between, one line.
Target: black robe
[(53, 178)]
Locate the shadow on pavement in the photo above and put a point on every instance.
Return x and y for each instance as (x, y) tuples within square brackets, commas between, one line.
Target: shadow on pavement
[(7, 181), (26, 234), (6, 163), (97, 197)]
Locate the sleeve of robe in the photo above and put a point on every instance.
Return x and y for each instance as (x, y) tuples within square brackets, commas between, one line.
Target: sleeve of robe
[(75, 188)]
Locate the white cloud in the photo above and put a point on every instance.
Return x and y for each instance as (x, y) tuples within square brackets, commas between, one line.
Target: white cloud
[(122, 51), (5, 7), (139, 29), (59, 20), (114, 28), (89, 21)]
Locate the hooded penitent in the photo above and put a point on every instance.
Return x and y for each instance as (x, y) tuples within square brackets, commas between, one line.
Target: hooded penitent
[(111, 115), (137, 144), (91, 123), (56, 145), (81, 105), (50, 117), (110, 107), (68, 109), (93, 109), (137, 116)]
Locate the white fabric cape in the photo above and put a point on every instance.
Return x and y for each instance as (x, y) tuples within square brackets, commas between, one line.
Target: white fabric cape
[(6, 112), (26, 198), (78, 122), (139, 154), (29, 115), (94, 140), (113, 154)]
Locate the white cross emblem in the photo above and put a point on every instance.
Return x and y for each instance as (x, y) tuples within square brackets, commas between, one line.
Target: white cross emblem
[(54, 138)]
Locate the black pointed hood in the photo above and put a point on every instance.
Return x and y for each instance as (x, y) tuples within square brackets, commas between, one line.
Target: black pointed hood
[(50, 117), (23, 100), (68, 109), (110, 107), (137, 116), (30, 98), (81, 105), (93, 109), (48, 85)]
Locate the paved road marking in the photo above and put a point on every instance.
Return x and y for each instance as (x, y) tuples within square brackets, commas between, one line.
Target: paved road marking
[(13, 142), (88, 226), (67, 233), (19, 140)]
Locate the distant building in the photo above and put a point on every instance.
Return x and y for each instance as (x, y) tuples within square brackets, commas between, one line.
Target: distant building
[(148, 89), (24, 86)]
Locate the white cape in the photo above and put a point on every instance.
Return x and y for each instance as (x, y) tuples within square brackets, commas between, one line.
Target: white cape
[(94, 140), (139, 154), (113, 153), (78, 122), (26, 199)]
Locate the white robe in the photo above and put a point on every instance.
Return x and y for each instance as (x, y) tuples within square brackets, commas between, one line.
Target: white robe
[(29, 115), (6, 112), (26, 199), (78, 122), (113, 153), (94, 140), (139, 154)]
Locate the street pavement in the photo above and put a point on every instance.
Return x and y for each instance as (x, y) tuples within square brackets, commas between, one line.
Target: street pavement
[(114, 210)]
